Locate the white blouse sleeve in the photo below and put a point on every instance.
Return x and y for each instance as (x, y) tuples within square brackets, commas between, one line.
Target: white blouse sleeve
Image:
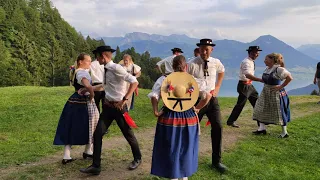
[(282, 73), (156, 89), (136, 68), (83, 74)]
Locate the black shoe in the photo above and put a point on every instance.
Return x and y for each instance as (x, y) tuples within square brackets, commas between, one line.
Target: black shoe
[(66, 161), (257, 132), (220, 167), (233, 125), (285, 136), (134, 164), (85, 155), (91, 170)]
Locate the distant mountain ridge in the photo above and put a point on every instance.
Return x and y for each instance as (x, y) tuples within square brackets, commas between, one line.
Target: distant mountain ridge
[(230, 52), (138, 36), (312, 50), (303, 90)]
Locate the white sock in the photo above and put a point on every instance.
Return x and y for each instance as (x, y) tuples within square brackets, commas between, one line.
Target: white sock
[(88, 149), (67, 151), (284, 130), (185, 178), (262, 127)]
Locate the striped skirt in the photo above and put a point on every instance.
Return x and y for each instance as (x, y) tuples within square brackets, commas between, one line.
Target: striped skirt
[(78, 121), (175, 151), (272, 107)]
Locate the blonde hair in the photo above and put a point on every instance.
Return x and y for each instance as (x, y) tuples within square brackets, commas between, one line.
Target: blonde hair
[(74, 67), (125, 56), (277, 58)]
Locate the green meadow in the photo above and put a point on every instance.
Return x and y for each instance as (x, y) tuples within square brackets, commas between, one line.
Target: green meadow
[(29, 117)]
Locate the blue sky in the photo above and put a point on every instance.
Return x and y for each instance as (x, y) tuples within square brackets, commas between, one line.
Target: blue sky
[(296, 22)]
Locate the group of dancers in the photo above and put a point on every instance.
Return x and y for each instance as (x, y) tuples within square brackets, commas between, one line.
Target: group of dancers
[(188, 89)]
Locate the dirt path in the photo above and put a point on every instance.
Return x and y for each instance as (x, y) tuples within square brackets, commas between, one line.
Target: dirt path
[(117, 154)]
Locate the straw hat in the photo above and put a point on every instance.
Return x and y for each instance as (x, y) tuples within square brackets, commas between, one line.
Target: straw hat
[(179, 91)]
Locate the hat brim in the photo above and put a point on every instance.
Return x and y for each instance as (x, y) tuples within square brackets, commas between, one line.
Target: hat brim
[(173, 50), (170, 100), (201, 44), (253, 50), (105, 50)]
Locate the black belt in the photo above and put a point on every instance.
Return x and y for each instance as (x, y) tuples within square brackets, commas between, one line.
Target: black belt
[(94, 84)]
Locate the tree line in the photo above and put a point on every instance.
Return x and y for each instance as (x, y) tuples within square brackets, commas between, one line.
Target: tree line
[(37, 46)]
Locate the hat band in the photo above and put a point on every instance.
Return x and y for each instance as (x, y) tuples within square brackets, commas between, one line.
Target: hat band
[(179, 100)]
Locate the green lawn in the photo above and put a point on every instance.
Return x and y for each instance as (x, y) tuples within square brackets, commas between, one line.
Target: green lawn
[(29, 118), (267, 157)]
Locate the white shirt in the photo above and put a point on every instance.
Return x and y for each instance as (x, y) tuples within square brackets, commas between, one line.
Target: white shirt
[(116, 81), (167, 64), (156, 89), (195, 68), (97, 72), (191, 59), (82, 73), (132, 68), (281, 73), (246, 67)]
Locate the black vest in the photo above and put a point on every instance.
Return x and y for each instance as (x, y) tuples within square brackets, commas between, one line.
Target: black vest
[(76, 85)]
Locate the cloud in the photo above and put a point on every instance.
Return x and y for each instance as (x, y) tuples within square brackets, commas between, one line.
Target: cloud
[(291, 20)]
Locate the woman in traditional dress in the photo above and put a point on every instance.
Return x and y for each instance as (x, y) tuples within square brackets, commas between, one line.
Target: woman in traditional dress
[(272, 106), (175, 151), (80, 115), (133, 69)]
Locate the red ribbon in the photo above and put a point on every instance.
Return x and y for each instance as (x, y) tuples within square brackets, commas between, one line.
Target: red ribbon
[(129, 120), (208, 123)]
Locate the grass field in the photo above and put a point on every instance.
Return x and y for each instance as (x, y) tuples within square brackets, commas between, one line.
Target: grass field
[(29, 116), (267, 157)]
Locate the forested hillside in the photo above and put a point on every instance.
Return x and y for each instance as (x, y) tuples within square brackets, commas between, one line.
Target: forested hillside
[(36, 45)]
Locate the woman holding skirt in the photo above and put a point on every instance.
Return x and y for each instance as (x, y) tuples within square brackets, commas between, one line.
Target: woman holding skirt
[(175, 151), (80, 114), (272, 106)]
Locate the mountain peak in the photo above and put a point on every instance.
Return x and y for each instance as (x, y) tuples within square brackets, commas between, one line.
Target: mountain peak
[(268, 38)]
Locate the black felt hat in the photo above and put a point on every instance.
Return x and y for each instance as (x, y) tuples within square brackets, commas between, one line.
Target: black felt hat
[(254, 48), (206, 42)]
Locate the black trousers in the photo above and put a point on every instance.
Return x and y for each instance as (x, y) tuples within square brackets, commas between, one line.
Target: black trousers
[(246, 92), (106, 117), (99, 97), (212, 111)]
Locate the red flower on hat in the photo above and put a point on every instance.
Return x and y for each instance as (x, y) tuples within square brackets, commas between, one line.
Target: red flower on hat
[(170, 88), (191, 89)]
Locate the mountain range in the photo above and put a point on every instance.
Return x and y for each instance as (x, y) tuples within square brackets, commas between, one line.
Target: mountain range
[(230, 52), (306, 90), (312, 50)]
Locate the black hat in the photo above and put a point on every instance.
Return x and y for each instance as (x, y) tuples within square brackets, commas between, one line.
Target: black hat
[(101, 49), (176, 50), (254, 48), (206, 42)]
